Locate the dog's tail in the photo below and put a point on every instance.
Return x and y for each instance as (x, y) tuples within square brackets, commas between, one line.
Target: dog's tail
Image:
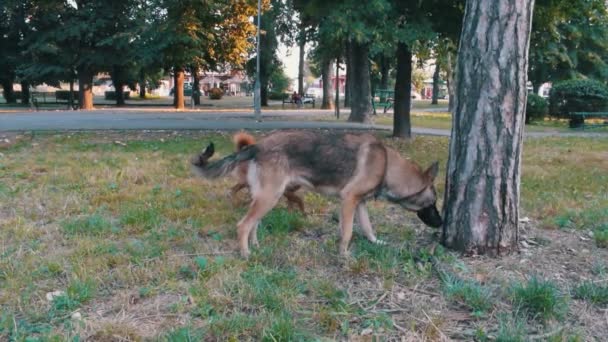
[(242, 139), (224, 166)]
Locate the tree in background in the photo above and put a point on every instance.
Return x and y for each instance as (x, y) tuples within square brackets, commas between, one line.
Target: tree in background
[(481, 207)]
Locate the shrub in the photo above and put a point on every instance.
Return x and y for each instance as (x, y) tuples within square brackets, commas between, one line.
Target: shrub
[(536, 108), (111, 95), (583, 95), (275, 95), (592, 292), (216, 93)]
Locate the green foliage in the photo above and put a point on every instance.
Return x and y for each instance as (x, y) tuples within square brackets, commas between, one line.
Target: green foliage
[(592, 292), (281, 221), (470, 293), (536, 108), (511, 329), (583, 95), (94, 225), (540, 299), (601, 236), (279, 80), (216, 93)]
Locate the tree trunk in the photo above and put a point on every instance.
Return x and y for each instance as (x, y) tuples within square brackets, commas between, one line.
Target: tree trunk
[(196, 93), (178, 93), (435, 85), (483, 172), (71, 95), (361, 97), (7, 91), (347, 81), (85, 89), (120, 94), (25, 93), (402, 127), (326, 75), (302, 44), (142, 84), (337, 88)]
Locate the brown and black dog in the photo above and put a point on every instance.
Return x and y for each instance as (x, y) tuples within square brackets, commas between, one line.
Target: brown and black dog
[(354, 167), (242, 140)]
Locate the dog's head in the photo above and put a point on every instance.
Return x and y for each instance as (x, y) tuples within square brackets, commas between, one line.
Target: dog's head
[(423, 201)]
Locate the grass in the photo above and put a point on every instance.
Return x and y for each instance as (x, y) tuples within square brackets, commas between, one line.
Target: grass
[(144, 250), (592, 292), (540, 299)]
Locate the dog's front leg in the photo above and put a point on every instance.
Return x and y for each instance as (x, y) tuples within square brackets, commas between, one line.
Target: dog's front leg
[(366, 224), (347, 217)]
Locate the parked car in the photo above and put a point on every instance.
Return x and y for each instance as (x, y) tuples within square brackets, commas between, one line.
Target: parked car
[(187, 89)]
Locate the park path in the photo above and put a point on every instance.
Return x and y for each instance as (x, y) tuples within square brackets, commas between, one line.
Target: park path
[(133, 119)]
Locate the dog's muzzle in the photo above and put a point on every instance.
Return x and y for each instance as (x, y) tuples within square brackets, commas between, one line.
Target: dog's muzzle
[(430, 216)]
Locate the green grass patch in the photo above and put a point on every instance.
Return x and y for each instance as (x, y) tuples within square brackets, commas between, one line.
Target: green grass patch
[(540, 299), (600, 235), (592, 292), (92, 225), (475, 296)]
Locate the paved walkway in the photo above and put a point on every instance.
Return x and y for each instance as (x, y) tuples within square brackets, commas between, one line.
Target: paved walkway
[(200, 120)]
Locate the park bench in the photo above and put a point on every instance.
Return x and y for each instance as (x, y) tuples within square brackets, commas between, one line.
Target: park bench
[(385, 99), (307, 98), (578, 119)]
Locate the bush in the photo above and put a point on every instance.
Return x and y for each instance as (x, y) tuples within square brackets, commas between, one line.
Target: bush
[(216, 93), (536, 108), (275, 95), (540, 298), (111, 95), (583, 95), (64, 95)]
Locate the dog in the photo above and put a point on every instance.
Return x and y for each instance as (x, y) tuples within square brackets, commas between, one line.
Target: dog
[(242, 140), (353, 167)]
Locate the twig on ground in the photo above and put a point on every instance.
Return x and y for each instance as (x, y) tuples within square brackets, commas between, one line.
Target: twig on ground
[(434, 326), (546, 335), (376, 302)]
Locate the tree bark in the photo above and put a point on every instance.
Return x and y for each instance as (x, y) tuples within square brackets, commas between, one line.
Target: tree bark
[(337, 88), (302, 45), (25, 93), (142, 84), (347, 81), (361, 101), (436, 85), (85, 88), (7, 91), (402, 127), (71, 95), (178, 93), (120, 94), (196, 95), (481, 211), (326, 75)]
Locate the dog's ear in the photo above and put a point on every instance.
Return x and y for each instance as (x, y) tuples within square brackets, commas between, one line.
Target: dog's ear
[(432, 171)]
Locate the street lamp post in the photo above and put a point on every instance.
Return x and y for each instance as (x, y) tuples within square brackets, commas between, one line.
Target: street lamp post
[(256, 91)]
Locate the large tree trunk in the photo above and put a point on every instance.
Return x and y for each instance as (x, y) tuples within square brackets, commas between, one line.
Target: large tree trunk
[(435, 85), (178, 93), (71, 95), (361, 97), (25, 93), (85, 88), (337, 88), (326, 75), (142, 84), (196, 94), (347, 82), (302, 45), (402, 126), (483, 173), (7, 91)]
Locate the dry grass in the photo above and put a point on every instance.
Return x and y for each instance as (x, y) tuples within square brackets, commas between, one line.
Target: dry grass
[(141, 250)]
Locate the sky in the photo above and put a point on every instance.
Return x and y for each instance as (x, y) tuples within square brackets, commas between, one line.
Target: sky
[(289, 57)]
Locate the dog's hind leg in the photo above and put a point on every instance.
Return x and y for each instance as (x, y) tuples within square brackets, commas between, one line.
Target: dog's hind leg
[(262, 203), (234, 190), (293, 199), (347, 216)]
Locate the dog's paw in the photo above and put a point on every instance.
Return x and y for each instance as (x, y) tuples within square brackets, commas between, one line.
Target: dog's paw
[(380, 242)]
